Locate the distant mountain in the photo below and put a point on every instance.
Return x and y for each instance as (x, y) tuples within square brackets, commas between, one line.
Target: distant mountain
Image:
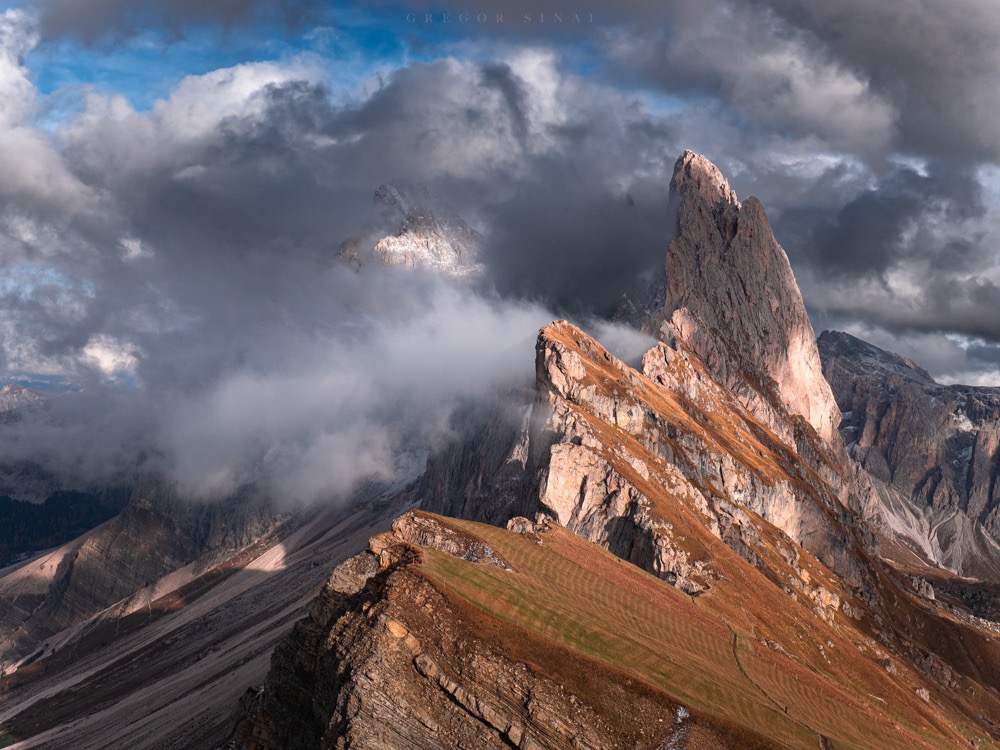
[(26, 528), (423, 234), (934, 449), (13, 396)]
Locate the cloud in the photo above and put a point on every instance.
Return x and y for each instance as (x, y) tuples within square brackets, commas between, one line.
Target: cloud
[(17, 38), (936, 68), (179, 263), (197, 301), (343, 409), (93, 21), (771, 74)]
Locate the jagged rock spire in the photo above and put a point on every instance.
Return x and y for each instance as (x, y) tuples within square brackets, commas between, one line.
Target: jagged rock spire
[(733, 300)]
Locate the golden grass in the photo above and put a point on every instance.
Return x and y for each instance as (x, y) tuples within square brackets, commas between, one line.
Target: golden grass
[(583, 599)]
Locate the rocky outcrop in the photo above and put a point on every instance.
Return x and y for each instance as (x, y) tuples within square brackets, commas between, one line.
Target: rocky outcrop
[(422, 234), (732, 299), (933, 449), (613, 445), (629, 459), (415, 644)]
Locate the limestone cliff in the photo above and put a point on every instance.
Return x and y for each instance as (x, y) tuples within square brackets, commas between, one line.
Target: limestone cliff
[(732, 299), (614, 446)]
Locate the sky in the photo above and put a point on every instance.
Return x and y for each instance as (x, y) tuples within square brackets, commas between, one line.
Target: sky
[(176, 178)]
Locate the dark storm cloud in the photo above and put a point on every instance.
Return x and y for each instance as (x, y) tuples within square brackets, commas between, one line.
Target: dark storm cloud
[(575, 243), (558, 223), (111, 20), (937, 63), (984, 353), (871, 233), (500, 77)]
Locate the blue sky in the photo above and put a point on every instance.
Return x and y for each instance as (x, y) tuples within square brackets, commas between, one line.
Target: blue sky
[(147, 66)]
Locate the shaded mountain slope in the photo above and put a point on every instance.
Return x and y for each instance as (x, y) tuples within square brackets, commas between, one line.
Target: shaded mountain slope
[(934, 449), (27, 527), (155, 536), (169, 673)]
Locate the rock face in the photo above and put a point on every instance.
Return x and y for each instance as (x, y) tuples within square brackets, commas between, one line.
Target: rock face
[(934, 449), (732, 299), (385, 661), (423, 235)]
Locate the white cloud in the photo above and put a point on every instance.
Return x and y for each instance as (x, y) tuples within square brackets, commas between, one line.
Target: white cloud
[(111, 139), (336, 410), (17, 93), (114, 358), (779, 78)]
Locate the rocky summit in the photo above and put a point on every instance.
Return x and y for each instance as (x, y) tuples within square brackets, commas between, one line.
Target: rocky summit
[(743, 540), (732, 299), (421, 234)]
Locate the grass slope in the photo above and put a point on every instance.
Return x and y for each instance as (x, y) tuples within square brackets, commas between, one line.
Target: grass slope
[(707, 653)]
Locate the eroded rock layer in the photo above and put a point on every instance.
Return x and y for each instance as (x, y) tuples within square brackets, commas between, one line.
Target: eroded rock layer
[(450, 634)]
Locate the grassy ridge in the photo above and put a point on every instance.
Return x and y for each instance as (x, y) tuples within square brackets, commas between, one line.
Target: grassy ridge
[(580, 597)]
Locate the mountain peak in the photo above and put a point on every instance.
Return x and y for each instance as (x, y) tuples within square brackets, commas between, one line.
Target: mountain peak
[(14, 396), (867, 357), (422, 233), (693, 172), (733, 300)]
